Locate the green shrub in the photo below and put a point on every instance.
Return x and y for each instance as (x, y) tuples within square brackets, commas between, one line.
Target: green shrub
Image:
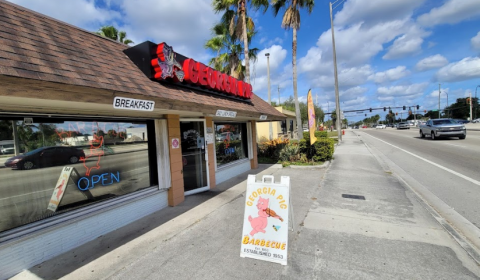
[(290, 152), (318, 134), (321, 150), (271, 149)]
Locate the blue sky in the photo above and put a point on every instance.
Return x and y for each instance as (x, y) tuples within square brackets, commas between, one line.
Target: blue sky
[(389, 53)]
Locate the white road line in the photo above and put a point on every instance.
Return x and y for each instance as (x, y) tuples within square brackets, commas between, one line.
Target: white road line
[(431, 162), (454, 145)]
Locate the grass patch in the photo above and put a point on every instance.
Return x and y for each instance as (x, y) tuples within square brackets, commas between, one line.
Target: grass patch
[(310, 163)]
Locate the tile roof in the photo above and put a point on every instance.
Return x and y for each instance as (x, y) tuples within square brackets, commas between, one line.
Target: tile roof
[(38, 47)]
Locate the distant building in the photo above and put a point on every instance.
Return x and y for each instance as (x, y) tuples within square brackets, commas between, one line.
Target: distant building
[(286, 128)]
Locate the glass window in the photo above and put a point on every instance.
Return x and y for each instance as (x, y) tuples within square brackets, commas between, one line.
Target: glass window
[(230, 142), (56, 165)]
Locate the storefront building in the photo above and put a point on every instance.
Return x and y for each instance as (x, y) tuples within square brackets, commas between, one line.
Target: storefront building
[(286, 128), (104, 134)]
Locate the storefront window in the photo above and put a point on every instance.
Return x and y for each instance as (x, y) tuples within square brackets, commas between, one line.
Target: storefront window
[(50, 166), (230, 142)]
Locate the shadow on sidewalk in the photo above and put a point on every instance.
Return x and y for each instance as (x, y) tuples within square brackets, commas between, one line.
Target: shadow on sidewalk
[(72, 260)]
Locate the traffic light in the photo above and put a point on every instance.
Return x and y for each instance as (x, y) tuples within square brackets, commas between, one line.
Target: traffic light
[(370, 110), (404, 107), (384, 109), (418, 107), (468, 100), (425, 111), (396, 114), (365, 115)]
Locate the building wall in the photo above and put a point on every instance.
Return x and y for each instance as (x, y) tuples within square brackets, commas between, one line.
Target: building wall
[(176, 193), (211, 154)]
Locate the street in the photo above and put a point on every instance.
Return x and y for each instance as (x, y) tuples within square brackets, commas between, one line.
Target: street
[(447, 167)]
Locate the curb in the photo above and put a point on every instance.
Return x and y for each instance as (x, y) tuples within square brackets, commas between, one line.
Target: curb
[(320, 166)]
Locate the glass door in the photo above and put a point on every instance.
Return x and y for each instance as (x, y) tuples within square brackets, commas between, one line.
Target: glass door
[(194, 156)]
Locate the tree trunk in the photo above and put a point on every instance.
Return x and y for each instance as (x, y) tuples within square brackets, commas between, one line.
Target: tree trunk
[(295, 94), (245, 42)]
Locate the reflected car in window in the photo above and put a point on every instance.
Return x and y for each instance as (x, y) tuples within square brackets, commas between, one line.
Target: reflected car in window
[(45, 156)]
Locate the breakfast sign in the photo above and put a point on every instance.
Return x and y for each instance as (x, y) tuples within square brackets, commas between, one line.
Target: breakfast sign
[(265, 222)]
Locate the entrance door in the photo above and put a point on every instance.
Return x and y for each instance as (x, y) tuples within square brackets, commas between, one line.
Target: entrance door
[(194, 156)]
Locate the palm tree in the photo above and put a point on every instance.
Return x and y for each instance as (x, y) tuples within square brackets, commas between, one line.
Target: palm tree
[(228, 48), (240, 24), (291, 19), (111, 32)]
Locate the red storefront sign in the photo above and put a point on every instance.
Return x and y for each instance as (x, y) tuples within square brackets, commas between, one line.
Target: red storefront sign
[(166, 66)]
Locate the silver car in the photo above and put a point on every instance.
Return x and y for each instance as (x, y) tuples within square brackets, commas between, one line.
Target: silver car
[(403, 125)]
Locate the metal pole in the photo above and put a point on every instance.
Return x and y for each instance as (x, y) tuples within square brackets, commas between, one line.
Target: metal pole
[(438, 100), (337, 96), (279, 96), (476, 107), (471, 107), (270, 132)]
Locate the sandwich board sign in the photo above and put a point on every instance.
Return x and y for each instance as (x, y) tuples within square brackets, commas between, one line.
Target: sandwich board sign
[(265, 222), (60, 188)]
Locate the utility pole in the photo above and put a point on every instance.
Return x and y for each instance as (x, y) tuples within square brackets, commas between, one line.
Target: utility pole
[(439, 100), (337, 95), (278, 95), (471, 107)]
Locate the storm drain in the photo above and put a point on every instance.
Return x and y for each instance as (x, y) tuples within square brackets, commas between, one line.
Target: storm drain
[(352, 196)]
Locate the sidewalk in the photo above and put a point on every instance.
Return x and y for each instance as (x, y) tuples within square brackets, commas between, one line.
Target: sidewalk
[(389, 235)]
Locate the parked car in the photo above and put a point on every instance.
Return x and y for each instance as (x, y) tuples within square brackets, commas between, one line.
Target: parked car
[(403, 125), (45, 156), (381, 126), (476, 120), (7, 149), (443, 128)]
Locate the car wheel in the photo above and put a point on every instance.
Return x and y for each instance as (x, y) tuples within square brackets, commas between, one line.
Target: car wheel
[(27, 165), (432, 135), (422, 135), (73, 159)]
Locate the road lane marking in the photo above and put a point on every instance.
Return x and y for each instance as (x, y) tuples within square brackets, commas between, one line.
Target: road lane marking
[(431, 162)]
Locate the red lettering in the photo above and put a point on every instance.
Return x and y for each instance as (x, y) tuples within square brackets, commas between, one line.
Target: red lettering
[(219, 81), (233, 85), (202, 74), (226, 83), (248, 91), (211, 78), (190, 67), (241, 88)]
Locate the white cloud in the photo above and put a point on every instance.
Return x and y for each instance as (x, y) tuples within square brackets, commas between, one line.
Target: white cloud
[(81, 13), (347, 77), (402, 92), (259, 69), (390, 75), (374, 11), (431, 62), (453, 11), (408, 44), (465, 69), (475, 41), (185, 25)]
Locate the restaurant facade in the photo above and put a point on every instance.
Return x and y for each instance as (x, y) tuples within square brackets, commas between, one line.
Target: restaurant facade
[(104, 134)]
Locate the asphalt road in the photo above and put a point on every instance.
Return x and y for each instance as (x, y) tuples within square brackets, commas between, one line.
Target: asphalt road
[(26, 193), (449, 168)]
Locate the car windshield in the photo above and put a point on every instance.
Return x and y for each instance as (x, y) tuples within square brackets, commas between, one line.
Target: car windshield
[(437, 122), (34, 151)]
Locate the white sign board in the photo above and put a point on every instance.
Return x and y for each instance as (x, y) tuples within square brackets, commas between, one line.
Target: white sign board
[(209, 138), (265, 222), (226, 114), (60, 188), (263, 117), (133, 104)]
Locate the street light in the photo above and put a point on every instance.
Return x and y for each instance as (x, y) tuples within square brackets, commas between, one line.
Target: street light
[(270, 133), (447, 105)]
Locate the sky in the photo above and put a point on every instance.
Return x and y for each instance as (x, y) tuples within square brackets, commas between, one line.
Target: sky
[(389, 53)]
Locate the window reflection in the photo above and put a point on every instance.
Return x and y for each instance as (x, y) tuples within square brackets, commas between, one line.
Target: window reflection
[(230, 142), (71, 163)]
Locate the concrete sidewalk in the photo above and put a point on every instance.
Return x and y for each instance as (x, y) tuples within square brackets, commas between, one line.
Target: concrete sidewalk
[(389, 235)]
